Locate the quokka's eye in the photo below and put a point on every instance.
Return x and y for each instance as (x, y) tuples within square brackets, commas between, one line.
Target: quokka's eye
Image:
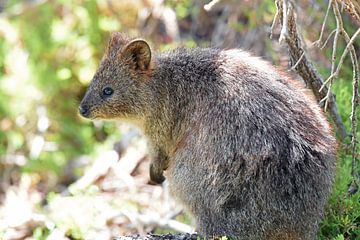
[(108, 91)]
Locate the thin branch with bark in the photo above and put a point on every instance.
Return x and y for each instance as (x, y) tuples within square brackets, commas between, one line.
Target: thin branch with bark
[(318, 42), (321, 88), (304, 67), (353, 9), (355, 95)]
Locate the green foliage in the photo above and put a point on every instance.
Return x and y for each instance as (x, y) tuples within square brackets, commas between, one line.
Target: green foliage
[(343, 92), (265, 11), (183, 8), (40, 233), (48, 55), (342, 216), (60, 45)]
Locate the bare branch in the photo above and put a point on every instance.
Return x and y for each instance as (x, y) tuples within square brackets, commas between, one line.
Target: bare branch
[(298, 61), (318, 42), (349, 47), (330, 78), (355, 95), (353, 8), (275, 20), (354, 104), (284, 30), (329, 81), (208, 7), (305, 68), (340, 30), (328, 38)]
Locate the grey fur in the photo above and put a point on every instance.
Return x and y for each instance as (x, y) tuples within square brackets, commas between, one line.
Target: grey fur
[(245, 149)]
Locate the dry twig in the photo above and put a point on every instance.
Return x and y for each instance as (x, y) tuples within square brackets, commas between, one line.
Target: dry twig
[(298, 61), (328, 38), (318, 42), (289, 34), (304, 67), (353, 9), (310, 76), (284, 33), (355, 95)]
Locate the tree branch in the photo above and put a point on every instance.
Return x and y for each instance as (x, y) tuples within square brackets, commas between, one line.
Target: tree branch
[(353, 8), (355, 95), (304, 67), (318, 42)]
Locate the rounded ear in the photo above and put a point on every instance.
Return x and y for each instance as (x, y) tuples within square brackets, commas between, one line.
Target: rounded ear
[(138, 52)]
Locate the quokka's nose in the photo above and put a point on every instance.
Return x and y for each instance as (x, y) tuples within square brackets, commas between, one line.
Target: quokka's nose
[(84, 110)]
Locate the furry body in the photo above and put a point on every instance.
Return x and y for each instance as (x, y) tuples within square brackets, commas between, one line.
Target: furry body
[(245, 149)]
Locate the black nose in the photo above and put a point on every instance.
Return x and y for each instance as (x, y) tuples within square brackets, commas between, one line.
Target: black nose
[(84, 110)]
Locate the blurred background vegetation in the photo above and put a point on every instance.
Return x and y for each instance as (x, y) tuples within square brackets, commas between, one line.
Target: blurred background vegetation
[(63, 177)]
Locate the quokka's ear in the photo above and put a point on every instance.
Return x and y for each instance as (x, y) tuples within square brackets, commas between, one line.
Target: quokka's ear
[(138, 52)]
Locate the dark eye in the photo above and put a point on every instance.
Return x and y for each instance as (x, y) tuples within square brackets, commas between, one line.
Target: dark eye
[(108, 91)]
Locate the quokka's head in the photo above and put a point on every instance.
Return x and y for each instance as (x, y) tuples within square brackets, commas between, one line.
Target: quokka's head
[(119, 88)]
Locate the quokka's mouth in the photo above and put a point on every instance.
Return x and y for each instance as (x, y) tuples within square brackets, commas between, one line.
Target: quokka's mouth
[(85, 111), (90, 117)]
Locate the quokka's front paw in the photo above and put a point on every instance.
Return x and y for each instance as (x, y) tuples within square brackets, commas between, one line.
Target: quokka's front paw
[(156, 174)]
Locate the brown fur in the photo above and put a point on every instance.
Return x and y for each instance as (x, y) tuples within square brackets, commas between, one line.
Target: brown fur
[(246, 150)]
